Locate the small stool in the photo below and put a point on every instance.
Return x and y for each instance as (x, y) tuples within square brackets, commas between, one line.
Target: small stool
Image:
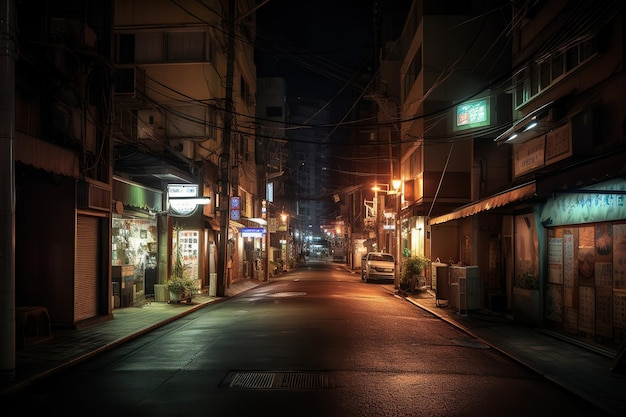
[(32, 325)]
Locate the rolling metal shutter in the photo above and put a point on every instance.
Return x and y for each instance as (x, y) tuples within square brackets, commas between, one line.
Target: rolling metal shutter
[(87, 262)]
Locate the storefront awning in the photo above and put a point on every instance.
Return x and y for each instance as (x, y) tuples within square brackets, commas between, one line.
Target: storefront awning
[(514, 194), (45, 155), (137, 196)]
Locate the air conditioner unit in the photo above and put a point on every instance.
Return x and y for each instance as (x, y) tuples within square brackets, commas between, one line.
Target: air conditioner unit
[(185, 147), (94, 195)]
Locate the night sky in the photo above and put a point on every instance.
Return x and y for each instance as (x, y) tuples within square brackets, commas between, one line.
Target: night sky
[(318, 46)]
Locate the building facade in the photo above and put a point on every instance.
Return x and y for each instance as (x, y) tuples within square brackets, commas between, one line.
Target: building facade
[(122, 119), (544, 220), (63, 159), (184, 123)]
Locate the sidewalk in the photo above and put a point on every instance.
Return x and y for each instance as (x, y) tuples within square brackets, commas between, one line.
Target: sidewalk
[(68, 347), (573, 366), (578, 368)]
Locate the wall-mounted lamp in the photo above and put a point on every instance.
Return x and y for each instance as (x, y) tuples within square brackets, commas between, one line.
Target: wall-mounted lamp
[(183, 199), (192, 200), (530, 126), (528, 123)]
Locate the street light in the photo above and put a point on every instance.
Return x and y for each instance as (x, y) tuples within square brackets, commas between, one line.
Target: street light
[(375, 212), (284, 217), (376, 189), (396, 184)]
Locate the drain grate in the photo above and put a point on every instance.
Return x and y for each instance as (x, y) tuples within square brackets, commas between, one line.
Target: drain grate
[(276, 380), (304, 380), (252, 380)]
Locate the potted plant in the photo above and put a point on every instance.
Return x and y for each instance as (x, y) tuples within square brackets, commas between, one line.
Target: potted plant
[(179, 286), (412, 271)]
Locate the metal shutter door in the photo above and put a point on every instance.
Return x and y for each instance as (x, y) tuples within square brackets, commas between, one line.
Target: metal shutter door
[(87, 261)]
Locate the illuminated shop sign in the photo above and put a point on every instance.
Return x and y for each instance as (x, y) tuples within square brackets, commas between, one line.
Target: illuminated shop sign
[(252, 232), (472, 114), (594, 204), (183, 198), (235, 208)]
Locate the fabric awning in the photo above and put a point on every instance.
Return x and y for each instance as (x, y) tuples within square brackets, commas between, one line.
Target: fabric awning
[(45, 155), (137, 196), (514, 194)]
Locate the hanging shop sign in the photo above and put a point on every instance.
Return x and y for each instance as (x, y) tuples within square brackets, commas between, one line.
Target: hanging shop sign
[(235, 207), (471, 114), (183, 198)]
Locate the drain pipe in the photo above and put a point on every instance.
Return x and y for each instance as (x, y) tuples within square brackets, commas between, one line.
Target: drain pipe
[(7, 188)]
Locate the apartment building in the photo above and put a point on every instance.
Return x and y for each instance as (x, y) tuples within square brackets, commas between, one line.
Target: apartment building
[(184, 127)]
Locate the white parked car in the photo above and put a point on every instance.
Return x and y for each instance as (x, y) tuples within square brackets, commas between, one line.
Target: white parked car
[(377, 266)]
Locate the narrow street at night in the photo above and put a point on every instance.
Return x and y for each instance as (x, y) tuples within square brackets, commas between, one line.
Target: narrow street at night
[(313, 342)]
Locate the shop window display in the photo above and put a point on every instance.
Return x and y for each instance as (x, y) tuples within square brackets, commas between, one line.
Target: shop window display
[(134, 243), (585, 293)]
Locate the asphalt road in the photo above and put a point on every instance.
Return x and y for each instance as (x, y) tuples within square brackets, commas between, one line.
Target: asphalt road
[(317, 342)]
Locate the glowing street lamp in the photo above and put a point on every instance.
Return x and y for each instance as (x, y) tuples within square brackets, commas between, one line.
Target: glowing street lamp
[(284, 217), (396, 184)]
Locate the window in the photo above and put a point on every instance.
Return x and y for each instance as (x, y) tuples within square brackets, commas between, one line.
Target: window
[(160, 47), (126, 48), (545, 74), (149, 47), (539, 76), (211, 128), (557, 66), (520, 82), (572, 58), (185, 46), (413, 71), (212, 47), (245, 90)]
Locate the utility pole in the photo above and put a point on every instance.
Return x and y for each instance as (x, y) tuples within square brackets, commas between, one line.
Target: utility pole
[(224, 159), (7, 188)]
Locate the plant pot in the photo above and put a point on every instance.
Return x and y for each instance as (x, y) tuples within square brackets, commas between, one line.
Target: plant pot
[(420, 282), (174, 296)]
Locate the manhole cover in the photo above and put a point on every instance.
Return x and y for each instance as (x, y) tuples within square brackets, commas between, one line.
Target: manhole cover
[(276, 380)]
